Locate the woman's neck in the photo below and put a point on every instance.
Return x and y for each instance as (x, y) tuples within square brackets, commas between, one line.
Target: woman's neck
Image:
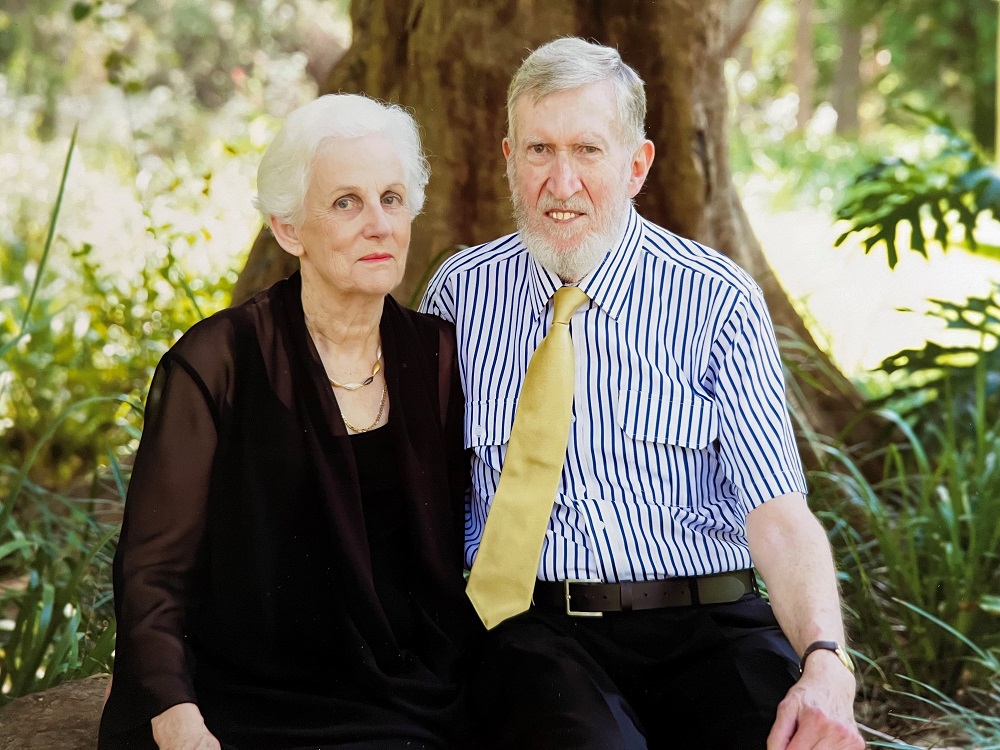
[(343, 330)]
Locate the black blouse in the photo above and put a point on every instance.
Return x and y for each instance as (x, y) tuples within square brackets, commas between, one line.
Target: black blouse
[(263, 563)]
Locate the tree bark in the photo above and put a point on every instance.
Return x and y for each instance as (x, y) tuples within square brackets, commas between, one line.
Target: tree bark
[(451, 61)]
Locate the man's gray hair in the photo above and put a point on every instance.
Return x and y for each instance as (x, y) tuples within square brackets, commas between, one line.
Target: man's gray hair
[(285, 168), (571, 63)]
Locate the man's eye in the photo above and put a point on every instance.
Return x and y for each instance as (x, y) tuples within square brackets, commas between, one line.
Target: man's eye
[(590, 149), (537, 148)]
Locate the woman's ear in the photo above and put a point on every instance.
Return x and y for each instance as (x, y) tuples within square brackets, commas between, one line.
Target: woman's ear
[(287, 236)]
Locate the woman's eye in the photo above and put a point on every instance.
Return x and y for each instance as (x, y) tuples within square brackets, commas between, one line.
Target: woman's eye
[(392, 200), (344, 203)]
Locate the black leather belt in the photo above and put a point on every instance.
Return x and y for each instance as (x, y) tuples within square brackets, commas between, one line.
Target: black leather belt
[(592, 599)]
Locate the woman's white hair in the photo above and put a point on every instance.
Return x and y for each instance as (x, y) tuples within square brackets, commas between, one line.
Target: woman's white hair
[(571, 63), (284, 171)]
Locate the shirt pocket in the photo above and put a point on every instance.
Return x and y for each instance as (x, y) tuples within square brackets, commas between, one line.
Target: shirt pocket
[(689, 421)]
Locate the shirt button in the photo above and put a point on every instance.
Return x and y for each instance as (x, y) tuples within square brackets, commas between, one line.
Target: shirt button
[(598, 526), (479, 431)]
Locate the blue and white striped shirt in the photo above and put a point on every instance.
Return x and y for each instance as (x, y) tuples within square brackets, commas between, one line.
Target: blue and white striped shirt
[(680, 426)]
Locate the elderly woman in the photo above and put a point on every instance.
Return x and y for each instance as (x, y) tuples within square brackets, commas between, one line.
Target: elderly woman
[(289, 570)]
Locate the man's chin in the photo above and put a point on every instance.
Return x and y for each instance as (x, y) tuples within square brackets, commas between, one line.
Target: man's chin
[(562, 244)]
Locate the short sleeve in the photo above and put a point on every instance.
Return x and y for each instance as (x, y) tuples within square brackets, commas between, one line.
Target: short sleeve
[(156, 564), (438, 299), (756, 442)]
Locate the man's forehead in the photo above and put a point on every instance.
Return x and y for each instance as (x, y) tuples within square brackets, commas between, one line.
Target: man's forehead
[(587, 113)]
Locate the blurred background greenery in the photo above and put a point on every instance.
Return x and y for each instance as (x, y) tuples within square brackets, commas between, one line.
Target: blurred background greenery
[(862, 141)]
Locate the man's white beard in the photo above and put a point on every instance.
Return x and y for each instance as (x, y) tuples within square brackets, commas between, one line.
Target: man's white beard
[(572, 264)]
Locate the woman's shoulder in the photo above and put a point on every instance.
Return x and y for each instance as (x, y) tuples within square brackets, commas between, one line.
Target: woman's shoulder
[(218, 340), (210, 338)]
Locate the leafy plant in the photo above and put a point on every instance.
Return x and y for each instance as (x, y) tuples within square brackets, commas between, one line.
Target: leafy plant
[(977, 721), (948, 189), (53, 638), (964, 378), (57, 625), (928, 535)]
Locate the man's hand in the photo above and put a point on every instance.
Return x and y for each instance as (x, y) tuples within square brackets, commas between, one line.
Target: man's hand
[(818, 712), (182, 727)]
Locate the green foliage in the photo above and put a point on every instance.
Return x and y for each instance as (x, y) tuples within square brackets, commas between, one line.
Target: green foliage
[(73, 329), (943, 56), (923, 539), (975, 722), (202, 53), (50, 637), (960, 382), (58, 632), (948, 188), (56, 621), (794, 170)]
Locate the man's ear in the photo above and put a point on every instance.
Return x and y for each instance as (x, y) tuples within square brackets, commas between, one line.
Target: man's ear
[(642, 160), (505, 145), (287, 236)]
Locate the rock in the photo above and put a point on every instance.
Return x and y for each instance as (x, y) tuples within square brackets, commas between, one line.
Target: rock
[(62, 718)]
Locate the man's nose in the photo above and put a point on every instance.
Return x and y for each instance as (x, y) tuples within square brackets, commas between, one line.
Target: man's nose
[(564, 182)]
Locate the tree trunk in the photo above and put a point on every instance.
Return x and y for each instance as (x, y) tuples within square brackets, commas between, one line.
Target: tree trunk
[(451, 61), (803, 73), (847, 81), (735, 23)]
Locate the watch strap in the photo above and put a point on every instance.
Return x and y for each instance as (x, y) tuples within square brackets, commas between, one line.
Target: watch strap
[(836, 648)]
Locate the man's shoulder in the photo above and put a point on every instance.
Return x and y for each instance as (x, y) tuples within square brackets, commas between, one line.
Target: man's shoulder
[(673, 249), (480, 257)]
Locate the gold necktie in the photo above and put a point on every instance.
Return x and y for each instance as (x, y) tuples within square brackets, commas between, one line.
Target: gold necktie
[(503, 577)]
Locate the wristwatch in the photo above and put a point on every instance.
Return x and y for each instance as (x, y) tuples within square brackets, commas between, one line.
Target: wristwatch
[(836, 648)]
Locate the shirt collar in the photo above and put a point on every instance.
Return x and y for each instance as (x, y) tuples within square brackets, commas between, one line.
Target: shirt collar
[(607, 285), (542, 284)]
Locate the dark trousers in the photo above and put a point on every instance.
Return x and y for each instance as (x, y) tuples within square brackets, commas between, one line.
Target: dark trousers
[(707, 677)]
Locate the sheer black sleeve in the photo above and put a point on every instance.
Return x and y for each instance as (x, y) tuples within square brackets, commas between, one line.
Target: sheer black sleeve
[(157, 561)]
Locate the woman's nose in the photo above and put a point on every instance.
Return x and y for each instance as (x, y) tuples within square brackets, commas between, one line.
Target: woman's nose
[(377, 225)]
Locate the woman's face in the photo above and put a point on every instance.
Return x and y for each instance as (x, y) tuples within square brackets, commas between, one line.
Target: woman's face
[(356, 227)]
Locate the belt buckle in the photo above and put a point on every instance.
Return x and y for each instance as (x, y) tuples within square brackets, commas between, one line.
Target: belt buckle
[(569, 609)]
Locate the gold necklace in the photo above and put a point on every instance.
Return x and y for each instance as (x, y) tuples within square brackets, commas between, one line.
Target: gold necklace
[(381, 408), (354, 386)]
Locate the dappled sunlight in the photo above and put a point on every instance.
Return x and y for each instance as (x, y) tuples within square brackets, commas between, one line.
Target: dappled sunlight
[(852, 301)]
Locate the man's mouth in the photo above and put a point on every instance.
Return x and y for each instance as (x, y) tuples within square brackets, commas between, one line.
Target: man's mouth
[(563, 215)]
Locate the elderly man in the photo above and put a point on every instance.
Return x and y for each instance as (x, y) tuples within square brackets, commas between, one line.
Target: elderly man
[(626, 483)]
